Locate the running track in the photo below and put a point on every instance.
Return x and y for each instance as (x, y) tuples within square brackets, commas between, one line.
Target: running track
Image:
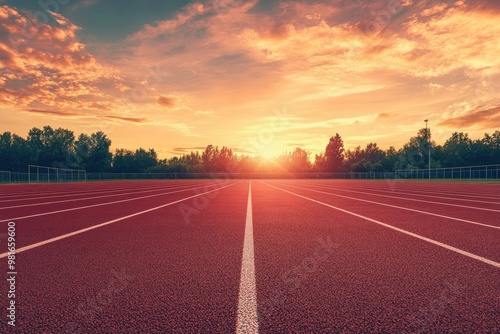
[(240, 256)]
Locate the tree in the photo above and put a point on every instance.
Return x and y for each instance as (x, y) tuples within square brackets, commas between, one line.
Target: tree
[(100, 156), (319, 163), (193, 162), (82, 151), (123, 161), (490, 149), (390, 160), (299, 161), (334, 154), (58, 148), (415, 152), (457, 150), (140, 161), (92, 152), (15, 153), (369, 159), (52, 147), (209, 157), (296, 161), (225, 160), (144, 160)]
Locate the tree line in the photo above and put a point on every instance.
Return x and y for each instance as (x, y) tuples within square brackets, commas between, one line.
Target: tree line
[(62, 149)]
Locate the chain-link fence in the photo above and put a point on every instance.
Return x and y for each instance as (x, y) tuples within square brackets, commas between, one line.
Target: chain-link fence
[(486, 172)]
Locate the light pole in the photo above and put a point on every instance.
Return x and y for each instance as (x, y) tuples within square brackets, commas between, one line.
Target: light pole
[(428, 145)]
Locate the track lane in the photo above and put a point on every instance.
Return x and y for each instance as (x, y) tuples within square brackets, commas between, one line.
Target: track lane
[(94, 197), (395, 186), (152, 273), (317, 271), (37, 229), (37, 211), (487, 217), (452, 188), (451, 202), (477, 239), (491, 220), (372, 280), (431, 194), (69, 195), (87, 189)]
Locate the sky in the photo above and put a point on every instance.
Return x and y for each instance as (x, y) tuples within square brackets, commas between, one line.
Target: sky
[(261, 77)]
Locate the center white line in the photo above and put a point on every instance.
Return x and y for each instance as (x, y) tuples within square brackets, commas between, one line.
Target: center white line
[(247, 319)]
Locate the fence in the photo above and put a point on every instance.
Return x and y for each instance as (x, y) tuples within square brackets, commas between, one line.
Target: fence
[(5, 176), (220, 175), (487, 172), (38, 174), (33, 177)]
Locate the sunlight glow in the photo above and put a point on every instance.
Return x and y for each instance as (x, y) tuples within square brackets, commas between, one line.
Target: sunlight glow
[(269, 151)]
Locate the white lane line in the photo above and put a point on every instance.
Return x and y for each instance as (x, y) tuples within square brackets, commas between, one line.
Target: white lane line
[(100, 204), (76, 193), (432, 241), (96, 188), (247, 319), (408, 193), (420, 190), (398, 207), (48, 241), (91, 198), (417, 200)]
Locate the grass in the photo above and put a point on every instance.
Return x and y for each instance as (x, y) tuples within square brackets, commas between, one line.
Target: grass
[(487, 181)]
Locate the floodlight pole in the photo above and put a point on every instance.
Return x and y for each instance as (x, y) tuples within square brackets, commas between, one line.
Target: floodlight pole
[(428, 145)]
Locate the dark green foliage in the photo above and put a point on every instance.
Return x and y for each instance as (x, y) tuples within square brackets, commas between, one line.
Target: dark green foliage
[(58, 148)]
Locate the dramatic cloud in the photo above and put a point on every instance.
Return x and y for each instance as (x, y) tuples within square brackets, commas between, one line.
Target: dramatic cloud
[(165, 101), (219, 70), (383, 116), (188, 149), (482, 119), (46, 65), (54, 112), (128, 119)]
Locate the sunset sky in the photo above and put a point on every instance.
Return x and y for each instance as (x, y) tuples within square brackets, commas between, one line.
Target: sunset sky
[(262, 77)]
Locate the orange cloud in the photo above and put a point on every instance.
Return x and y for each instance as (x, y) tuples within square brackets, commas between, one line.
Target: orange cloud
[(188, 149), (314, 59), (231, 64), (482, 119), (54, 112), (165, 101), (189, 13), (127, 119), (383, 116), (46, 64)]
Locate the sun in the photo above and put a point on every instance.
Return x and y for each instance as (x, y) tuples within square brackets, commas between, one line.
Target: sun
[(269, 151)]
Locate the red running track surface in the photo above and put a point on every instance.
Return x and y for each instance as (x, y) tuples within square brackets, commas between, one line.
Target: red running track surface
[(330, 256)]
